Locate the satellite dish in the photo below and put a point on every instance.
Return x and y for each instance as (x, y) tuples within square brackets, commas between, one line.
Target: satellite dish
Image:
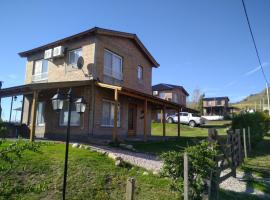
[(80, 62)]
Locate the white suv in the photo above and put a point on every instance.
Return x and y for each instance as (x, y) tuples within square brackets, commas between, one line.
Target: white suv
[(191, 119)]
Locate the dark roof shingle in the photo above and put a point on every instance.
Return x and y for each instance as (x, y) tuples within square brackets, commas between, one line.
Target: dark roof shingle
[(165, 86)]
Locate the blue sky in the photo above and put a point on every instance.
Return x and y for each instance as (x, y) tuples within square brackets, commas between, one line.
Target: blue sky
[(199, 44)]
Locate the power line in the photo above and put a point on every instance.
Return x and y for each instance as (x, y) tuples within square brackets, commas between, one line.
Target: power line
[(253, 39)]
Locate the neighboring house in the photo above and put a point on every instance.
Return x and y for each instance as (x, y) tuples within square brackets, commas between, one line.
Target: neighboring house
[(169, 92), (117, 70), (216, 106)]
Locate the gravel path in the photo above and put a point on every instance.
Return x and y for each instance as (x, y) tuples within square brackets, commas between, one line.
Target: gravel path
[(239, 184), (146, 161), (151, 163)]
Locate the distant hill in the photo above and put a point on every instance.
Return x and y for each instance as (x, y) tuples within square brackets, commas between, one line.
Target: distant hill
[(254, 100)]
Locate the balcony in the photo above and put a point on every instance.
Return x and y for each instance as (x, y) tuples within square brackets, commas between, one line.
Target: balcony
[(40, 77)]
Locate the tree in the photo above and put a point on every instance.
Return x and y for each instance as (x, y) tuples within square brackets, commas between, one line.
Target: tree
[(200, 104), (195, 98)]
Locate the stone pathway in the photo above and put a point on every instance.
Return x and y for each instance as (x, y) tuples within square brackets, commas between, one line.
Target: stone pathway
[(239, 184), (152, 163), (145, 161)]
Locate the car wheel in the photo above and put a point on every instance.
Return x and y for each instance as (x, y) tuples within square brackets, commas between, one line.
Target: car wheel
[(170, 120), (192, 124)]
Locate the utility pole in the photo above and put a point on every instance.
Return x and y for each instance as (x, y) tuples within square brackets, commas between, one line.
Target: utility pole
[(0, 101)]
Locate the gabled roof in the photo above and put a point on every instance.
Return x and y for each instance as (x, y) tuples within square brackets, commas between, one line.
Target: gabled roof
[(216, 98), (95, 30), (165, 86)]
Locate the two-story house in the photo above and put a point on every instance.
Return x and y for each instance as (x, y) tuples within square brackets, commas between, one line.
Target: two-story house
[(116, 73), (169, 92), (174, 93), (216, 106)]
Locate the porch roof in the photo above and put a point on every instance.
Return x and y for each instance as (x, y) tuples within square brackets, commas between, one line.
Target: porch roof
[(30, 88), (144, 96)]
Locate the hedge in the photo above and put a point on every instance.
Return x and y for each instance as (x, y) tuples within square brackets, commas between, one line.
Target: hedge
[(257, 121)]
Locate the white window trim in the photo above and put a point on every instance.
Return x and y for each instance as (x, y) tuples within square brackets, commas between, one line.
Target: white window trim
[(34, 79), (110, 126), (71, 124), (142, 75), (121, 59), (72, 64), (40, 124)]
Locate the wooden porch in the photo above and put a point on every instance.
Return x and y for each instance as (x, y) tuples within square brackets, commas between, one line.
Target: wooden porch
[(148, 100)]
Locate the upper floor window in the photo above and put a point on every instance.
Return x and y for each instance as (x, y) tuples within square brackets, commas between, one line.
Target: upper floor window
[(113, 65), (73, 56), (140, 73), (174, 98), (40, 71), (162, 95), (219, 102)]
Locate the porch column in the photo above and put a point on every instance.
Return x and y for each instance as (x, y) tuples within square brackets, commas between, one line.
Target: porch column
[(178, 123), (145, 120), (115, 115), (164, 120), (33, 116)]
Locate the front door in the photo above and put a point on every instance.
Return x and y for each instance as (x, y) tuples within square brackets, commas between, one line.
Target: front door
[(132, 116)]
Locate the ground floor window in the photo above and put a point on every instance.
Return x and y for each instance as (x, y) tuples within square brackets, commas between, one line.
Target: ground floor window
[(108, 114), (75, 119), (40, 113)]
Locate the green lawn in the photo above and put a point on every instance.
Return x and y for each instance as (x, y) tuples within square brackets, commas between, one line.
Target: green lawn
[(186, 131), (189, 136), (90, 176)]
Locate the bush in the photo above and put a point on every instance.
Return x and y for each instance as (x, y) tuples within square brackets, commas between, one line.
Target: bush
[(258, 123), (3, 129), (201, 163)]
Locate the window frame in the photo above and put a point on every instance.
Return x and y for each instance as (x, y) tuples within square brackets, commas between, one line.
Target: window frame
[(43, 113), (140, 74), (74, 66), (34, 74), (119, 114), (73, 110), (121, 61)]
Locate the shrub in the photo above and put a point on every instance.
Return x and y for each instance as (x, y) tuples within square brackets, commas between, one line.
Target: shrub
[(3, 129), (258, 123), (201, 163)]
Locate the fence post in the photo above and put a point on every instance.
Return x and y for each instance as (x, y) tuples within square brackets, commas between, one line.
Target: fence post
[(238, 135), (249, 143), (245, 142), (130, 189), (185, 176)]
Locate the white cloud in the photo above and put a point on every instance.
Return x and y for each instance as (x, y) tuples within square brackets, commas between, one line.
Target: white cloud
[(248, 73), (256, 69)]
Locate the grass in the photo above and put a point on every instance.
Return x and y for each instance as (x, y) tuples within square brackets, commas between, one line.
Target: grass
[(186, 131), (258, 163), (189, 136), (90, 176)]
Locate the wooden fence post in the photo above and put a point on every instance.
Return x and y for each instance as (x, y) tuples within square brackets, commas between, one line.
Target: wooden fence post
[(185, 176), (245, 142), (249, 143), (130, 189), (238, 136)]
